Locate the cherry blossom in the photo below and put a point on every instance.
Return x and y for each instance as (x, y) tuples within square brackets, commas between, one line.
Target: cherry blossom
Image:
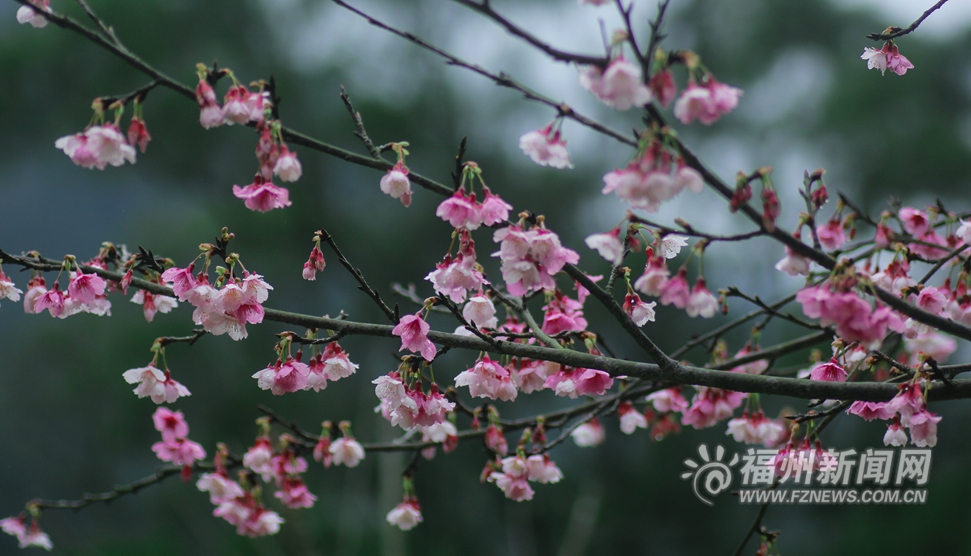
[(155, 384), (480, 311), (655, 275), (396, 183), (619, 86), (701, 302), (287, 166), (895, 435), (706, 103), (923, 428), (638, 311), (32, 14), (668, 400), (413, 331), (488, 379), (460, 210), (886, 58), (530, 258), (831, 371), (608, 245), (405, 515), (663, 87), (588, 434), (675, 291), (493, 209), (263, 195), (630, 418), (542, 469), (7, 288), (346, 451), (283, 377), (757, 429), (711, 405), (241, 106), (97, 147), (315, 263), (546, 148)]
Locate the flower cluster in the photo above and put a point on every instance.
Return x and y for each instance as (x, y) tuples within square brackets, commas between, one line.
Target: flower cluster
[(85, 294), (407, 405), (175, 445), (517, 471), (455, 277), (706, 102), (98, 146), (155, 383), (908, 409), (652, 178), (886, 58), (546, 147), (26, 537), (531, 257), (226, 308)]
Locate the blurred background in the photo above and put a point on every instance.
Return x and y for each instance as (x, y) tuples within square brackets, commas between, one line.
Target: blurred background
[(69, 424)]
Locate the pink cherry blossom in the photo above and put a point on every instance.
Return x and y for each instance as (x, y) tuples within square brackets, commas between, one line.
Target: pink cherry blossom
[(620, 86), (608, 245), (675, 291), (220, 487), (405, 515), (52, 300), (895, 435), (287, 166), (31, 14), (756, 429), (923, 428), (655, 275), (294, 494), (530, 258), (337, 363), (413, 331), (663, 87), (241, 106), (546, 148), (711, 405), (179, 451), (793, 264), (493, 209), (706, 103), (15, 526), (668, 400), (870, 410), (396, 183), (831, 235), (542, 469), (262, 195), (588, 434), (831, 371), (346, 451), (85, 287), (36, 537), (915, 222), (138, 134), (488, 379), (638, 311), (886, 58), (155, 384), (630, 418), (283, 377), (315, 263), (7, 288), (701, 302), (460, 210), (480, 311), (258, 457)]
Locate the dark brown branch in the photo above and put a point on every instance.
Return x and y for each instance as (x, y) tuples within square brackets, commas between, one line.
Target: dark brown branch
[(364, 287), (559, 55), (897, 32)]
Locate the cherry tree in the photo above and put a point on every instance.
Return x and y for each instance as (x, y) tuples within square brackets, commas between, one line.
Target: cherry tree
[(885, 297)]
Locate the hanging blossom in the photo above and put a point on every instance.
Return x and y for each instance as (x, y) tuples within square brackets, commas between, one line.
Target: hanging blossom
[(488, 379), (588, 434), (563, 314), (32, 14), (756, 428), (8, 290), (886, 58), (262, 195), (86, 293), (455, 277), (26, 537), (652, 178), (480, 311), (579, 382), (517, 471), (546, 147), (226, 310), (175, 446), (711, 405), (210, 113), (409, 406), (155, 384), (346, 450), (630, 418), (396, 183), (706, 102), (835, 302), (620, 86), (413, 331), (609, 245), (405, 515), (638, 311), (531, 257), (330, 365), (97, 147)]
